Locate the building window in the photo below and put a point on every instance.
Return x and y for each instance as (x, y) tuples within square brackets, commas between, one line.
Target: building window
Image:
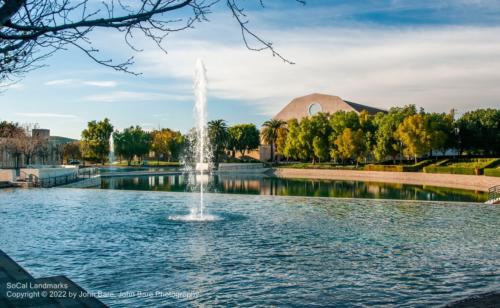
[(314, 108)]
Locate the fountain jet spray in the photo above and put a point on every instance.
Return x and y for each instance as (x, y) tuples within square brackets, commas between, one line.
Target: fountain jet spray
[(200, 113)]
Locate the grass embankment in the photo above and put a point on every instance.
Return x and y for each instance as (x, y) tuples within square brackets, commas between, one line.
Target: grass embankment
[(399, 168), (319, 166), (468, 166)]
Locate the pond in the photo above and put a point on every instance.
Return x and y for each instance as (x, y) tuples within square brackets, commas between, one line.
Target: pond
[(263, 185), (263, 251)]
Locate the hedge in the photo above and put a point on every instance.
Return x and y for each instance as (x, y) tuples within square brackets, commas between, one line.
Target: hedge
[(453, 170), (440, 168), (492, 172), (399, 168)]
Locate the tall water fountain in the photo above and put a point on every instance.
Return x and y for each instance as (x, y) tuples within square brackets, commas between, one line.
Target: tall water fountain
[(200, 115), (200, 148), (111, 155)]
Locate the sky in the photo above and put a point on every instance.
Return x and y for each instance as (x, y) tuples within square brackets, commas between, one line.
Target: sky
[(439, 55)]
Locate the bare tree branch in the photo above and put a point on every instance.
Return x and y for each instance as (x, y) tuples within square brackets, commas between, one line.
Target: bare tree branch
[(32, 30)]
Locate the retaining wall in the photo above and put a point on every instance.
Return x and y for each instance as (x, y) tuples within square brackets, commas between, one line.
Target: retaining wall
[(471, 182)]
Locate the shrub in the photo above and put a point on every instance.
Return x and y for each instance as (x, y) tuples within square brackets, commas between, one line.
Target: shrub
[(399, 168), (492, 172), (453, 170)]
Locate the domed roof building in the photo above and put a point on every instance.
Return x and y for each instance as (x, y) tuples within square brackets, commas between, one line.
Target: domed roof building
[(309, 105)]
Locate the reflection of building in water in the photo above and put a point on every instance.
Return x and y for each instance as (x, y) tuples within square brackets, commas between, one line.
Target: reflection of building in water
[(309, 105)]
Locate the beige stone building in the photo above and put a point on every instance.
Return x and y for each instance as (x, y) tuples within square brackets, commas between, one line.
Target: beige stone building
[(309, 105), (47, 152)]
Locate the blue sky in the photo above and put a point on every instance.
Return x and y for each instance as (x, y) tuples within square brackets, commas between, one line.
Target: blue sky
[(435, 54)]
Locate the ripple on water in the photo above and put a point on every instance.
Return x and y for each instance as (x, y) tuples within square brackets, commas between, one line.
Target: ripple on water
[(194, 218), (254, 250)]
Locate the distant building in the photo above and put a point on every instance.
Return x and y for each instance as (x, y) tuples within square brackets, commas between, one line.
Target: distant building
[(309, 105), (46, 149)]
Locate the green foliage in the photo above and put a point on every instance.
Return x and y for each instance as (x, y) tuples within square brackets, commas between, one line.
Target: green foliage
[(332, 166), (218, 135), (167, 144), (492, 172), (440, 130), (291, 144), (474, 166), (350, 145), (95, 140), (479, 131), (453, 170), (270, 133), (281, 140), (133, 141), (414, 134), (399, 168), (386, 143), (243, 138)]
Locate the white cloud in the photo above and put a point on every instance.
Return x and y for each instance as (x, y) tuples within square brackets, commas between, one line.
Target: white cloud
[(61, 82), (102, 84), (127, 96), (78, 82), (436, 68), (46, 115)]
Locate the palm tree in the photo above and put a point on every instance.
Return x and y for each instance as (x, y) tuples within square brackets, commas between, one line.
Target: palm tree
[(270, 133), (217, 133)]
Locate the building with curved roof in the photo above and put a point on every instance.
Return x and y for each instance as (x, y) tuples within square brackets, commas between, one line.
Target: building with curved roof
[(311, 104)]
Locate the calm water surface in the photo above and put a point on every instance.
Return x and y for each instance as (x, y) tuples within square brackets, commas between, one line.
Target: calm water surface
[(262, 185), (265, 250)]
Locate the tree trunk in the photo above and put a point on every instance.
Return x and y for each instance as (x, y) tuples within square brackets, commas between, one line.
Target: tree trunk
[(416, 161), (272, 151)]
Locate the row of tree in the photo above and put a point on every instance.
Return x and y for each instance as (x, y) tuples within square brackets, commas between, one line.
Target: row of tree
[(401, 132), (165, 144)]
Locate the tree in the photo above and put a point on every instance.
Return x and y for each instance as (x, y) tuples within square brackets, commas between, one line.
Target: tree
[(167, 144), (71, 151), (31, 143), (31, 31), (95, 140), (270, 133), (281, 140), (440, 127), (350, 145), (386, 143), (479, 131), (321, 130), (413, 133), (133, 141), (291, 149), (243, 138), (218, 135)]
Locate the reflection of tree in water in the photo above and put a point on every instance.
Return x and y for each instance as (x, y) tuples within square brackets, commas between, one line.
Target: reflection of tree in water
[(296, 187)]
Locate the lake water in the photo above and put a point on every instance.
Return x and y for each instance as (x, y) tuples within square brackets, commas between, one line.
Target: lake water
[(264, 250), (262, 185)]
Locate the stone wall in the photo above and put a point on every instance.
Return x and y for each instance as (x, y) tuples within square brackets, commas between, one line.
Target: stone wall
[(43, 173), (7, 175)]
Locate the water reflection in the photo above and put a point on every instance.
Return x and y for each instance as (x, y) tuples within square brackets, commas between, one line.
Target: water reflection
[(263, 185)]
